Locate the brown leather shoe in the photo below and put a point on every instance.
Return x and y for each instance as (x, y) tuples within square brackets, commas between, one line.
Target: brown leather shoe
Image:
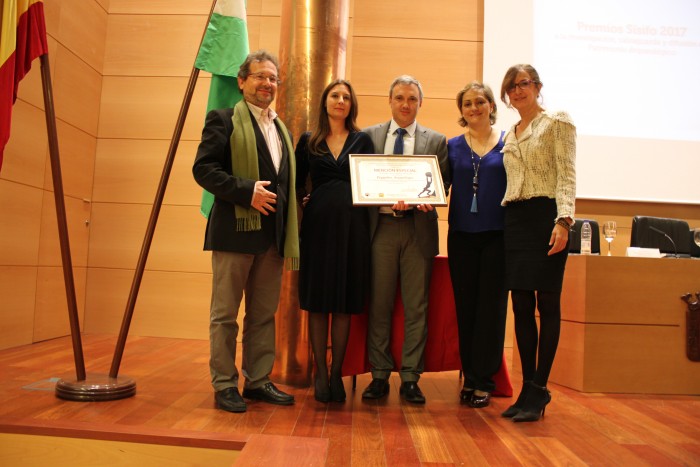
[(411, 392), (229, 399), (270, 394)]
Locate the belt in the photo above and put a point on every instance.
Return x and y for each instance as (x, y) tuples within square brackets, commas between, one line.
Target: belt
[(397, 213)]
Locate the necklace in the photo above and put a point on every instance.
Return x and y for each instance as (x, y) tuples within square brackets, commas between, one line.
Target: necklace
[(476, 163)]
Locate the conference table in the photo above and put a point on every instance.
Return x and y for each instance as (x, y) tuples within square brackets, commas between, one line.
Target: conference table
[(442, 347), (624, 326)]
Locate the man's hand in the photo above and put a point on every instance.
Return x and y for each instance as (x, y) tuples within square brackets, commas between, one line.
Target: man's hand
[(425, 207), (263, 200)]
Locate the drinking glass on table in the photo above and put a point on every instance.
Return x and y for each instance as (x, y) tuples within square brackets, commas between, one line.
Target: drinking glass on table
[(609, 232)]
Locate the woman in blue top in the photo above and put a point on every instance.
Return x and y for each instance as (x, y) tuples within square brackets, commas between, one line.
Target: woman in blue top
[(475, 242)]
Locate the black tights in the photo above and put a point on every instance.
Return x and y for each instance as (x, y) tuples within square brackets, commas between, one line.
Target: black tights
[(536, 361), (318, 332)]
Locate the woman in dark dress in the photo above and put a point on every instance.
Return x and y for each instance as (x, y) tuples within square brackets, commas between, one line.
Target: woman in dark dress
[(334, 240), (540, 160)]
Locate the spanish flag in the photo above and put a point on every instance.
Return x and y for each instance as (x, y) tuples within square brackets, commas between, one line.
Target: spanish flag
[(22, 39)]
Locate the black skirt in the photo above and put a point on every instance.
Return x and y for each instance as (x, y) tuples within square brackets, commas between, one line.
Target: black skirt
[(528, 228)]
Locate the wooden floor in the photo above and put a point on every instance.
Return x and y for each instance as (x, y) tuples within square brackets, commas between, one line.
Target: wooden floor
[(174, 405)]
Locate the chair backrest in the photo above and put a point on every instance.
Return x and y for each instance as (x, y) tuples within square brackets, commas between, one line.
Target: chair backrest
[(694, 249), (575, 236), (648, 232)]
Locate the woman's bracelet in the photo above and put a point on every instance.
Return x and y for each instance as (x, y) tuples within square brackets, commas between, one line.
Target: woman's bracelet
[(561, 221)]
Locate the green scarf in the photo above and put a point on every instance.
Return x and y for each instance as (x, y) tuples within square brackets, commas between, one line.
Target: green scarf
[(244, 163)]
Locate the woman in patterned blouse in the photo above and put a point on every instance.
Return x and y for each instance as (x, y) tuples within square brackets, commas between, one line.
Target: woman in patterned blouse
[(539, 156)]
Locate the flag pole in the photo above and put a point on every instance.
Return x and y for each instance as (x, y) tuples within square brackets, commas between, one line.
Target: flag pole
[(148, 238), (112, 386), (61, 218)]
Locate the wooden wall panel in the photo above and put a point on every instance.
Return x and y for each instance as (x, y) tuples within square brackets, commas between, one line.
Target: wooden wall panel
[(20, 218), (24, 160), (77, 212), (178, 241), (118, 230), (117, 234), (152, 45), (17, 295), (147, 107), (173, 305), (154, 7), (158, 311), (77, 155), (377, 61), (454, 20), (129, 170), (269, 35), (51, 314), (106, 293), (82, 29), (77, 90)]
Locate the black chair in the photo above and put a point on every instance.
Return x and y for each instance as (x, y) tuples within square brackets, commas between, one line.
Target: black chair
[(670, 236), (575, 236), (694, 249)]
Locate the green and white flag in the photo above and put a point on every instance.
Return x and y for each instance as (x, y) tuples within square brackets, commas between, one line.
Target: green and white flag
[(224, 48)]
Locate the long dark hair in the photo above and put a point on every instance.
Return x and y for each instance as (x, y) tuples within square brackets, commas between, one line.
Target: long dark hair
[(322, 126)]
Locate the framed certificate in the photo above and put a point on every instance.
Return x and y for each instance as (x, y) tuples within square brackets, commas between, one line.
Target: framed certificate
[(379, 179)]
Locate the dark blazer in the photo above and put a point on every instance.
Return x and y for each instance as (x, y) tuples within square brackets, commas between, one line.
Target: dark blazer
[(427, 142), (212, 171)]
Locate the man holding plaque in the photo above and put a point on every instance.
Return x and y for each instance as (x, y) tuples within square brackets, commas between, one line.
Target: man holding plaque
[(404, 242)]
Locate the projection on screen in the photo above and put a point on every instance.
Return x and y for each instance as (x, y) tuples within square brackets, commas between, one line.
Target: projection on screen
[(628, 72)]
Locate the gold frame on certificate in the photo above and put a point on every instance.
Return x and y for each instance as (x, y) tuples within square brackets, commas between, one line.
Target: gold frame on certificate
[(383, 180)]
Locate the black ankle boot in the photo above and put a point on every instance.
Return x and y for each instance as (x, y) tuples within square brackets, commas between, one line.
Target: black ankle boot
[(533, 409), (513, 410)]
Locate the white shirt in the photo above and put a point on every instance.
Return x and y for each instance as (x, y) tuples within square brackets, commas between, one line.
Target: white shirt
[(265, 119), (409, 144)]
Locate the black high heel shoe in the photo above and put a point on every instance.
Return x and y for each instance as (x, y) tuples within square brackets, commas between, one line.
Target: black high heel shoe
[(534, 406), (337, 389), (513, 410), (322, 392)]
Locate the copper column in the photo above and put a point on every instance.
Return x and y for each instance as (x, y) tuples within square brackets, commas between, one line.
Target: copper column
[(313, 44)]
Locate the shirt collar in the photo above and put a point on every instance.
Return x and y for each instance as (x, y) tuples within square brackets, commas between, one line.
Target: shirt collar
[(410, 129), (257, 111)]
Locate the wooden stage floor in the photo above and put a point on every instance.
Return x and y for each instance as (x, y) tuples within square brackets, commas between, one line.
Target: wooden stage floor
[(174, 406)]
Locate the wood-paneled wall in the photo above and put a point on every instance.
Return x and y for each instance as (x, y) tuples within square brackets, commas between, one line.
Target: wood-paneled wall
[(120, 70), (32, 293)]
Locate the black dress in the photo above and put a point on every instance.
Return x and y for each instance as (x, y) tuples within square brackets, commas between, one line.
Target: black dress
[(334, 240)]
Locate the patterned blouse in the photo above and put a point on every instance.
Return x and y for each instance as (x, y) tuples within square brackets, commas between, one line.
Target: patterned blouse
[(542, 162)]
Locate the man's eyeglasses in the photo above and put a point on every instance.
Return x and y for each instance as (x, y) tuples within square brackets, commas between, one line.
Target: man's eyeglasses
[(263, 77), (521, 84)]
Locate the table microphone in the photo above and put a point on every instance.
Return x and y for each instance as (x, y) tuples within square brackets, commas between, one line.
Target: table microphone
[(675, 251)]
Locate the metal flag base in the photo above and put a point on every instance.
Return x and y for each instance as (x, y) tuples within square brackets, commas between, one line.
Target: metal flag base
[(96, 388)]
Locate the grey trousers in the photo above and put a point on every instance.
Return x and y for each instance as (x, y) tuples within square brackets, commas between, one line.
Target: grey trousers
[(396, 256), (260, 277)]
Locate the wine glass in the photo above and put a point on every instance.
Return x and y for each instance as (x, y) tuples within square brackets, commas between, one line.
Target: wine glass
[(609, 232)]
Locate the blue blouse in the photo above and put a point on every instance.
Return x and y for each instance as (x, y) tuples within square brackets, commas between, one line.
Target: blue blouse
[(492, 187)]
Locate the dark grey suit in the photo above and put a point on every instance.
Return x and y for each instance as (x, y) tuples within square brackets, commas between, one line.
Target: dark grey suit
[(403, 249), (241, 261)]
